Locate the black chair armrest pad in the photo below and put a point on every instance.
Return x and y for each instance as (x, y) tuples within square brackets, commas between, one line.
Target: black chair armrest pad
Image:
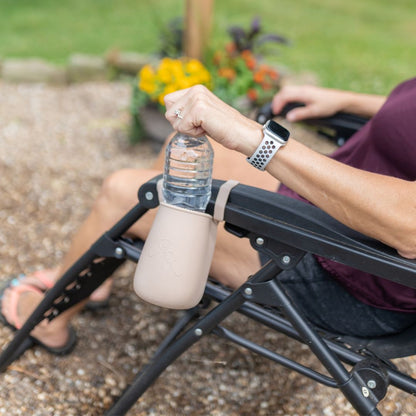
[(308, 228), (339, 127)]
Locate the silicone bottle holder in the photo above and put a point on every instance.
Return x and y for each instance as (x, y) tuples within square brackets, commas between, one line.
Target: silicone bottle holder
[(174, 265)]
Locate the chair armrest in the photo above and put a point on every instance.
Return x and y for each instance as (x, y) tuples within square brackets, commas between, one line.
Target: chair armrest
[(338, 128), (306, 227)]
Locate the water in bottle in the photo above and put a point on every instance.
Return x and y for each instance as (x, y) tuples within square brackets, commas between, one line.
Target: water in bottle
[(187, 175)]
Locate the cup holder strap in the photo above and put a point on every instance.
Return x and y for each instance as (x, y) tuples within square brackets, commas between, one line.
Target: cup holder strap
[(220, 202), (222, 199)]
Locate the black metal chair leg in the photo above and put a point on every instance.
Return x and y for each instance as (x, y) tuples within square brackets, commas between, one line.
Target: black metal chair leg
[(56, 300), (39, 313), (152, 371), (162, 360), (79, 281), (187, 317), (350, 384)]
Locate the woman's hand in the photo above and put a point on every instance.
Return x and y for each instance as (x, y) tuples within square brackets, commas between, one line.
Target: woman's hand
[(324, 102), (319, 102), (196, 111)]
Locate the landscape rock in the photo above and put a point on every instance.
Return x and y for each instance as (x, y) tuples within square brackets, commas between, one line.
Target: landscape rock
[(82, 68), (128, 63), (32, 70)]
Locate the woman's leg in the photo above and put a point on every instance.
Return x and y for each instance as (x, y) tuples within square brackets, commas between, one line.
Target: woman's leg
[(117, 196), (234, 259), (325, 302)]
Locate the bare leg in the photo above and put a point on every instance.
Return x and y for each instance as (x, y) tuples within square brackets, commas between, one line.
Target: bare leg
[(234, 259), (118, 195)]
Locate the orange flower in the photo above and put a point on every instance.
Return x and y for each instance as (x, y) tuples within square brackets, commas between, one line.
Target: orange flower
[(217, 58), (230, 47), (249, 59), (258, 77), (273, 74), (246, 54), (228, 73), (264, 68), (251, 63), (252, 94)]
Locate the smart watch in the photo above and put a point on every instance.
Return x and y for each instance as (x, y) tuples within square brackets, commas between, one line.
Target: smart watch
[(275, 137)]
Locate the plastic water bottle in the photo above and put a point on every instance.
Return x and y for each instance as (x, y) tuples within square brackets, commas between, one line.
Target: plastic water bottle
[(187, 175)]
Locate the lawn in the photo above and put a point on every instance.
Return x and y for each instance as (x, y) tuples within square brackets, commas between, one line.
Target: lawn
[(367, 45)]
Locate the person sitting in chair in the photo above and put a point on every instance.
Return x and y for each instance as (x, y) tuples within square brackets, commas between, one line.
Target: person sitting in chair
[(368, 184)]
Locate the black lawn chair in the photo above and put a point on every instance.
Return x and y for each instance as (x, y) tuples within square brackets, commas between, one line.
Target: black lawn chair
[(286, 230)]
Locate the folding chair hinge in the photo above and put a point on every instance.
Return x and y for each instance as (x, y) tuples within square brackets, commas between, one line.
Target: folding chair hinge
[(373, 378), (149, 194), (261, 293), (105, 246), (119, 249), (284, 255)]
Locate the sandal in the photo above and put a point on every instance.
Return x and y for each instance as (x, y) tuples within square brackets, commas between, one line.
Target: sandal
[(30, 341), (47, 283), (95, 305)]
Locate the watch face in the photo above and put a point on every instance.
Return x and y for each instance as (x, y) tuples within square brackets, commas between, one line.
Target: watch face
[(278, 130)]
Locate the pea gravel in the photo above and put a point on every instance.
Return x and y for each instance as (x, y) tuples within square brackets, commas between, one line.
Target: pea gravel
[(56, 146)]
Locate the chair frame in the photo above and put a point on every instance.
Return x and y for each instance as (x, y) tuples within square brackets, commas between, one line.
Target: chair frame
[(285, 229)]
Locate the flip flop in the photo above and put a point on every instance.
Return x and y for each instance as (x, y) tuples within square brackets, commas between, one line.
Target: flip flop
[(30, 341), (92, 305), (95, 305)]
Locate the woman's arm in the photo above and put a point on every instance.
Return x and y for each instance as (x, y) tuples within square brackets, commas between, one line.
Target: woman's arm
[(379, 206), (324, 102)]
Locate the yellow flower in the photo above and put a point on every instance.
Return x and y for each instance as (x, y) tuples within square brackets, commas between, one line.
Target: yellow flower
[(160, 99), (147, 73), (172, 75), (185, 83), (148, 87), (165, 75), (193, 66), (205, 77), (168, 89), (176, 67)]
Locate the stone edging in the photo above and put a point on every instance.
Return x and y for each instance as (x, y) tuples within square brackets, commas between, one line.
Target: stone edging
[(80, 68)]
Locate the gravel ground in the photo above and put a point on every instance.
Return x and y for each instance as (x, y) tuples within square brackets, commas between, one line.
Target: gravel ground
[(56, 145)]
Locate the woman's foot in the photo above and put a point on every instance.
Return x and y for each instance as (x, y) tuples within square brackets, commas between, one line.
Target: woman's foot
[(18, 300), (46, 278), (100, 297)]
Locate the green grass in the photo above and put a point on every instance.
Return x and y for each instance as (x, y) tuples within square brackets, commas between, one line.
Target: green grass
[(366, 45)]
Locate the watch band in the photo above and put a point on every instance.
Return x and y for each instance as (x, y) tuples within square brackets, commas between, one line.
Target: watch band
[(273, 140)]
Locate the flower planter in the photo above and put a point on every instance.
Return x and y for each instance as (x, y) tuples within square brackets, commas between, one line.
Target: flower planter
[(156, 127), (149, 124)]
